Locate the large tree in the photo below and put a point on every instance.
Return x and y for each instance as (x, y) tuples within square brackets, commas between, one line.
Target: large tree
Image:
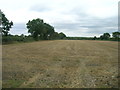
[(39, 29), (5, 24)]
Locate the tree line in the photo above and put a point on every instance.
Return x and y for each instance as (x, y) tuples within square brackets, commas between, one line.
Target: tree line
[(106, 36), (39, 30)]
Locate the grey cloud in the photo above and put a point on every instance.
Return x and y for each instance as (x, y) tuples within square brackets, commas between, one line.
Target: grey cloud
[(19, 28), (70, 26), (93, 25), (39, 8), (101, 30)]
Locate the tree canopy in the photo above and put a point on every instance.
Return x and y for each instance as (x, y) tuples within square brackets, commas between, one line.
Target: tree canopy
[(5, 24), (105, 36), (39, 29), (62, 35), (116, 35)]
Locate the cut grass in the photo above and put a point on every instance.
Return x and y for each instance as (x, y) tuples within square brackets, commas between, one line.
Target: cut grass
[(61, 63)]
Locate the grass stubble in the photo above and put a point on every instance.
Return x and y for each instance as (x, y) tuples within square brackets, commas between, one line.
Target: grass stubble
[(61, 64)]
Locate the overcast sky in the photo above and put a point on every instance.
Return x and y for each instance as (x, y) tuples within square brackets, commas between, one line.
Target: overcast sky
[(73, 17)]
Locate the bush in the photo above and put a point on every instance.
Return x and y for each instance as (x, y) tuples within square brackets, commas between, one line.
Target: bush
[(16, 38)]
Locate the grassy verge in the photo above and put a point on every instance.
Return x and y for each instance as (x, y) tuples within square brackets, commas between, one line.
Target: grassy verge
[(13, 83)]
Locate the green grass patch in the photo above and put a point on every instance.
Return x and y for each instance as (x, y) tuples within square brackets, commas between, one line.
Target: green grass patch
[(12, 83)]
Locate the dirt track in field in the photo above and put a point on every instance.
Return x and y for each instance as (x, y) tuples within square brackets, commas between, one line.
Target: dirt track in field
[(60, 64)]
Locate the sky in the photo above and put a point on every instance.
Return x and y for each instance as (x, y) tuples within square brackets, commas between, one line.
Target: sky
[(77, 18)]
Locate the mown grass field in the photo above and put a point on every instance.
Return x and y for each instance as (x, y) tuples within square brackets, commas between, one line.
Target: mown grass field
[(60, 64)]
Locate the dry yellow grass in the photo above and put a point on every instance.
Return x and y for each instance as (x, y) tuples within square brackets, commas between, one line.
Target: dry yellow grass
[(60, 64)]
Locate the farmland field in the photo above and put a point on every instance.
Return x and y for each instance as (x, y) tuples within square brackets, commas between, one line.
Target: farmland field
[(60, 64)]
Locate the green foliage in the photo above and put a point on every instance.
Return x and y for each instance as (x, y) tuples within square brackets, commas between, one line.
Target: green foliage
[(47, 31), (57, 35), (6, 24), (16, 38), (105, 36), (39, 29), (94, 38), (79, 38), (54, 36), (62, 35), (13, 83), (116, 36)]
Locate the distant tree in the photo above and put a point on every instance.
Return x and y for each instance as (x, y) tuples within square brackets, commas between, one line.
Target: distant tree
[(22, 35), (39, 29), (62, 35), (105, 36), (5, 24), (116, 35), (101, 37), (94, 38)]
